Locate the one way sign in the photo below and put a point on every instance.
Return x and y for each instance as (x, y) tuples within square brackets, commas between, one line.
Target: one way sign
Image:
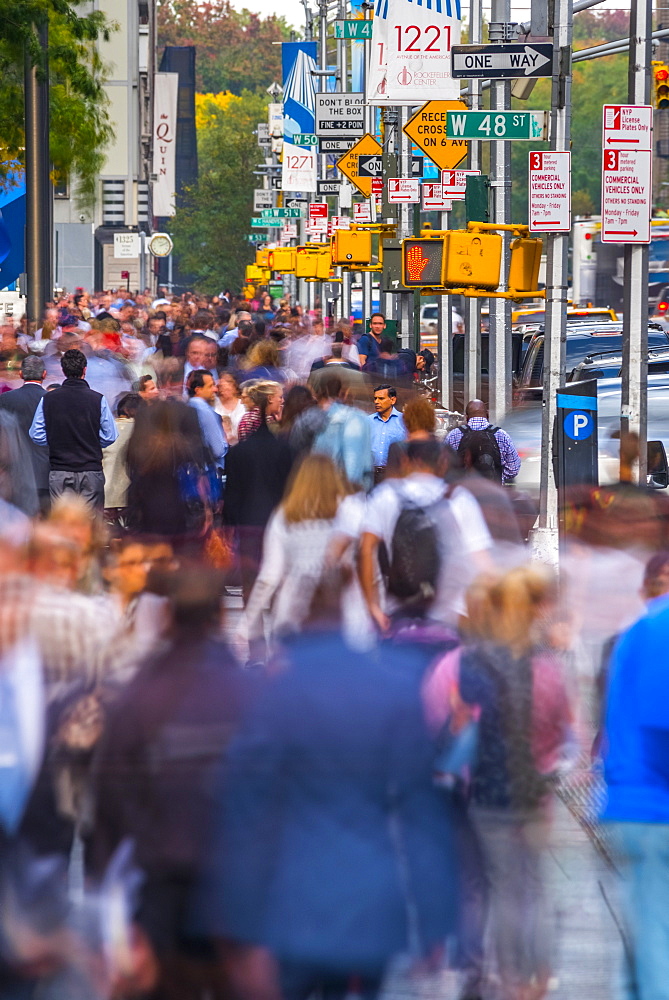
[(499, 62)]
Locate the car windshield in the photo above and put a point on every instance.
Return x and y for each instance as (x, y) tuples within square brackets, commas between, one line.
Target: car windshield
[(429, 312), (592, 316)]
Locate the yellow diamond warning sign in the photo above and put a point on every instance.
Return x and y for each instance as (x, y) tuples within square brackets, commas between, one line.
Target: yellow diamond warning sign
[(348, 164), (427, 129)]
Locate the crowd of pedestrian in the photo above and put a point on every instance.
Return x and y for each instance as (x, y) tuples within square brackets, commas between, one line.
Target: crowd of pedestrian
[(284, 699)]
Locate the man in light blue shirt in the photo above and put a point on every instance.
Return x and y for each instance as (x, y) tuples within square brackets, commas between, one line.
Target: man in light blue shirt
[(231, 335), (201, 392), (387, 426)]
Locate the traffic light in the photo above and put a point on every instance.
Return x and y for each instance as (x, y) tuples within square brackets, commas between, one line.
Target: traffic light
[(258, 275), (262, 258), (422, 263), (351, 246), (661, 82), (524, 265), (310, 263), (282, 259), (472, 259)]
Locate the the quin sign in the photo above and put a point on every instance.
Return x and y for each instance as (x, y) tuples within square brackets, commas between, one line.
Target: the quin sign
[(578, 425), (411, 51)]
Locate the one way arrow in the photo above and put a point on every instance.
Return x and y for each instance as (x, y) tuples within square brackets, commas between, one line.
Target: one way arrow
[(610, 140), (618, 232)]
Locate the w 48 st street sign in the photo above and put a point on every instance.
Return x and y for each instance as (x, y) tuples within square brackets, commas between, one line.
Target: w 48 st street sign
[(499, 62)]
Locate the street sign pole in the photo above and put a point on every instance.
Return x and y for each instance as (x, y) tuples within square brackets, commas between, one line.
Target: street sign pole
[(472, 315), (445, 329), (405, 229), (500, 182), (323, 160), (389, 212), (369, 130), (343, 209), (634, 409), (546, 536)]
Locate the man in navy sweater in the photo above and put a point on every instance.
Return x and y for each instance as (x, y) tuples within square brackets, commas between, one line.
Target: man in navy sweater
[(75, 423)]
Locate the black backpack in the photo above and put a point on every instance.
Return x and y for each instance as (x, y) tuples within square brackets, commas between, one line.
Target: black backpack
[(412, 568), (482, 448)]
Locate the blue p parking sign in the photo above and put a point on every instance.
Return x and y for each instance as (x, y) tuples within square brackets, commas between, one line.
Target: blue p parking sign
[(579, 425)]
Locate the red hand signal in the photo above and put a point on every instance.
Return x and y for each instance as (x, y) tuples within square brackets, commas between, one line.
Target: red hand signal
[(416, 263)]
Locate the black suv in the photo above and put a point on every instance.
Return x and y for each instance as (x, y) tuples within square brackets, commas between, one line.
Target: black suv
[(582, 344)]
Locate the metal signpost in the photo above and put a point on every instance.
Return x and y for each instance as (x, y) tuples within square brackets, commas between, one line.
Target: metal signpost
[(472, 315), (546, 535), (634, 412)]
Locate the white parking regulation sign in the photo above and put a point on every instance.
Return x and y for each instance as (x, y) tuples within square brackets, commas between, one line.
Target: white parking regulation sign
[(627, 126), (626, 195), (550, 192), (434, 199), (454, 183), (403, 189)]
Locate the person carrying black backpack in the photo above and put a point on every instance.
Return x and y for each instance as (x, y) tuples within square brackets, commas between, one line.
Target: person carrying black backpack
[(484, 447)]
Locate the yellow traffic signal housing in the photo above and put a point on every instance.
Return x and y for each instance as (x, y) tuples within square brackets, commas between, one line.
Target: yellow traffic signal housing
[(311, 263), (351, 246), (661, 83), (262, 258), (422, 263), (524, 265), (259, 275), (282, 259), (472, 259)]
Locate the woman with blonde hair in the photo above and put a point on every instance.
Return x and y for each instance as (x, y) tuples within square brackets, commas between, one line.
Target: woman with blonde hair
[(266, 398), (295, 547), (262, 361), (507, 685)]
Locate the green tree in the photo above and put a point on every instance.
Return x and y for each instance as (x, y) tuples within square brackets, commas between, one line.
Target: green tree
[(595, 83), (210, 227), (236, 49), (79, 124)]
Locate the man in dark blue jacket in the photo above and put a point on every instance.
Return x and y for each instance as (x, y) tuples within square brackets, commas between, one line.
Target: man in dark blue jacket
[(75, 423), (23, 402)]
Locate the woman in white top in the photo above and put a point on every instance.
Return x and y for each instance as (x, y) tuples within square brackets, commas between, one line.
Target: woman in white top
[(229, 406), (295, 548)]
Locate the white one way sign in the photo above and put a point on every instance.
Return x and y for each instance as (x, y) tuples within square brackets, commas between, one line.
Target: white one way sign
[(472, 62)]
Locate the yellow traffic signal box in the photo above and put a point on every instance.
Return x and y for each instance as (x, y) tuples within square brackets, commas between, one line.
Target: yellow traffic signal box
[(313, 263), (262, 258), (422, 263), (661, 83), (351, 246), (257, 274), (472, 259), (524, 265), (282, 259)]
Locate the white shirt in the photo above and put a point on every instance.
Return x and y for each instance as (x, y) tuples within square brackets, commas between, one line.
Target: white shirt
[(234, 416), (383, 510)]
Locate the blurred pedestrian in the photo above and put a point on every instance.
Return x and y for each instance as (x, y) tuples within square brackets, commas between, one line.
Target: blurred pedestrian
[(333, 849), (511, 685), (295, 547), (165, 737), (201, 394), (266, 398), (229, 406), (23, 403), (114, 460)]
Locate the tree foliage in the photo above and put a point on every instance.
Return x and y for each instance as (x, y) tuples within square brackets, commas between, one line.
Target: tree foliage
[(594, 83), (237, 50), (79, 124), (210, 227)]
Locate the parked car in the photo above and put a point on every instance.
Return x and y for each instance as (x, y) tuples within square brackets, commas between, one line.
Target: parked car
[(582, 342), (524, 425)]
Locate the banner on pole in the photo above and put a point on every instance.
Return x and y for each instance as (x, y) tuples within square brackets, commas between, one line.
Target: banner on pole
[(411, 51), (164, 143), (299, 102)]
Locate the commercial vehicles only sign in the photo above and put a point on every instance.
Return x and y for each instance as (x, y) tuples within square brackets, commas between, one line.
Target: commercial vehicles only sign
[(627, 163), (550, 192), (626, 195)]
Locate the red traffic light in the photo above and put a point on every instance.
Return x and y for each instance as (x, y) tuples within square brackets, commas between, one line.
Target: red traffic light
[(663, 306), (662, 74)]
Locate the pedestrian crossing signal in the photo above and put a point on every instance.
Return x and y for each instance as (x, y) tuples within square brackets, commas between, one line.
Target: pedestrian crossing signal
[(661, 81), (422, 263)]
